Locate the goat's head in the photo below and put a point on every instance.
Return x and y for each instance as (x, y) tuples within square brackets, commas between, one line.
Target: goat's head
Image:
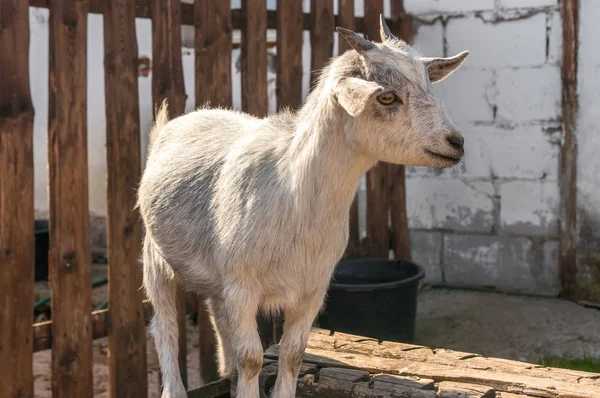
[(386, 89)]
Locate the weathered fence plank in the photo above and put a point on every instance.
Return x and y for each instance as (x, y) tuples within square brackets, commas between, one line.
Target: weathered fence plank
[(321, 36), (399, 218), (187, 14), (289, 54), (42, 332), (207, 344), (378, 240), (568, 159), (167, 84), (127, 337), (16, 202), (167, 68), (254, 58), (346, 19), (212, 19), (69, 257)]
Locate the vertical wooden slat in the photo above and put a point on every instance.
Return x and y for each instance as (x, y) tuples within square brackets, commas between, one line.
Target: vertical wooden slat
[(289, 54), (167, 84), (402, 28), (127, 337), (207, 345), (212, 19), (568, 164), (16, 202), (70, 255), (346, 20), (254, 57), (378, 240), (321, 36)]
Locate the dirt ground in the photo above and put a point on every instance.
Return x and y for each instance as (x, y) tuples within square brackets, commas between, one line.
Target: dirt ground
[(491, 324), (506, 326)]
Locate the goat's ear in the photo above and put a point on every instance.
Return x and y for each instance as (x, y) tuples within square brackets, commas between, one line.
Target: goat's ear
[(356, 41), (353, 94), (440, 68)]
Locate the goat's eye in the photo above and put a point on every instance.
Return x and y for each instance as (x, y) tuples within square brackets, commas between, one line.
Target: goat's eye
[(387, 98)]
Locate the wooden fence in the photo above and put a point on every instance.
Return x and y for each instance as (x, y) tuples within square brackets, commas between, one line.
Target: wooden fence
[(73, 325)]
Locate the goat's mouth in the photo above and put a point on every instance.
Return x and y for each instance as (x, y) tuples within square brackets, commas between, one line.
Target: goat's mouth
[(447, 159)]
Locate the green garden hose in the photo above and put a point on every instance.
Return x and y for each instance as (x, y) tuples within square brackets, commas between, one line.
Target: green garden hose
[(97, 283)]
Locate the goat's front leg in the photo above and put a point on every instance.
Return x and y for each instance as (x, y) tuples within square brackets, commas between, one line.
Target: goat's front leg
[(296, 329), (237, 320)]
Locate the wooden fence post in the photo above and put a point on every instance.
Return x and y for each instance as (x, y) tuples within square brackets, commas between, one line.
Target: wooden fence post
[(289, 54), (254, 58), (347, 20), (568, 160), (127, 336), (69, 258), (321, 36), (16, 202), (212, 21), (402, 28), (167, 83), (378, 198)]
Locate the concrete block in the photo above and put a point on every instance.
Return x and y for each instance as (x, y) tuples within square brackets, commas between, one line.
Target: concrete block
[(519, 42), (426, 250), (529, 207), (469, 95), (519, 152), (555, 38), (551, 267), (446, 6), (450, 204), (589, 17), (502, 152), (512, 264), (529, 94), (429, 40), (527, 3)]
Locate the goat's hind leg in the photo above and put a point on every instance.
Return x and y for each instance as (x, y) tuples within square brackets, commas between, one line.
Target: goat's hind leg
[(161, 287), (236, 320)]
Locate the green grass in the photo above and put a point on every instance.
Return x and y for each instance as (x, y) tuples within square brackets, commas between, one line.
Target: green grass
[(586, 364)]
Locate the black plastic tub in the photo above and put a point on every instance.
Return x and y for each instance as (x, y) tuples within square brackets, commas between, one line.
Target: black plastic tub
[(42, 244), (373, 298)]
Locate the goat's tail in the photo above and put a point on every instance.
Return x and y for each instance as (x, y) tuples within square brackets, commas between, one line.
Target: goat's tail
[(161, 288), (160, 120)]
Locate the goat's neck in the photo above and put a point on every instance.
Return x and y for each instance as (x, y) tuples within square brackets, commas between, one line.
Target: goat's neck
[(325, 168)]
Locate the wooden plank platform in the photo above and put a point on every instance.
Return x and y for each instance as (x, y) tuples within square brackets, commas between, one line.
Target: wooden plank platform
[(342, 365)]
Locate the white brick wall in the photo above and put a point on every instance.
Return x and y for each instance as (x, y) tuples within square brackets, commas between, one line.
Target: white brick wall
[(529, 207), (446, 6), (529, 94), (450, 204), (527, 3), (506, 99), (513, 43)]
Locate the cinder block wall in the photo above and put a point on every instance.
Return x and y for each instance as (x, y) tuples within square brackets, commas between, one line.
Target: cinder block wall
[(493, 221)]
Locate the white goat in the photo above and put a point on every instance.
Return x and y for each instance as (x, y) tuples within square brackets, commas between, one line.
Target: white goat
[(253, 213)]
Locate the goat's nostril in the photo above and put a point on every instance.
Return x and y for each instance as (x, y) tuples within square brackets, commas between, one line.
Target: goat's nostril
[(457, 141)]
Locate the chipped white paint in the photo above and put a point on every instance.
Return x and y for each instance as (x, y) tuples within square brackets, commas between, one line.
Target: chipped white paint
[(529, 94), (521, 42), (529, 207), (450, 204)]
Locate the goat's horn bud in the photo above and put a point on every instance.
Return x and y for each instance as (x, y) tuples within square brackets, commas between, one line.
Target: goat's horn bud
[(384, 30)]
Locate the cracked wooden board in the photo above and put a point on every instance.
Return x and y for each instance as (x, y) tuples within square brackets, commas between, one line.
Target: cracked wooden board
[(342, 365)]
